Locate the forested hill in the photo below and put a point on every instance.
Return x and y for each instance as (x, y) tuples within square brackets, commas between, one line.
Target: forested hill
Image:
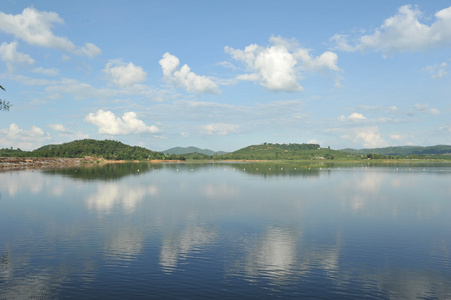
[(106, 149), (268, 151), (403, 150), (114, 150)]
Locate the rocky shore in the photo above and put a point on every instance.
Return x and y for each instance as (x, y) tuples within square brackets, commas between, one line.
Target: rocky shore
[(18, 163)]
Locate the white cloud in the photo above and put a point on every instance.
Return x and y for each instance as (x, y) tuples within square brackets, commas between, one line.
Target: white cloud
[(184, 78), (124, 75), (313, 141), (219, 128), (438, 71), (353, 117), (277, 66), (425, 108), (383, 109), (48, 72), (9, 53), (368, 137), (434, 111), (31, 81), (35, 27), (403, 32), (59, 127), (227, 64), (356, 116), (341, 43), (90, 50), (108, 123), (24, 139), (396, 137), (80, 90)]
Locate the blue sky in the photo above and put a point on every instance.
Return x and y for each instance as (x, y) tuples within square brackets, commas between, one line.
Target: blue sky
[(226, 74)]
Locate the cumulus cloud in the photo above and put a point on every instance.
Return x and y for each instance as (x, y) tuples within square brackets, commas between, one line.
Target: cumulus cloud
[(278, 66), (9, 53), (368, 137), (124, 75), (183, 77), (219, 128), (402, 32), (353, 117), (313, 141), (35, 27), (108, 123), (25, 139), (59, 127)]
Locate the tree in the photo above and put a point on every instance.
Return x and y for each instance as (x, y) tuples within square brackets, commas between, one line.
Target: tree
[(4, 105)]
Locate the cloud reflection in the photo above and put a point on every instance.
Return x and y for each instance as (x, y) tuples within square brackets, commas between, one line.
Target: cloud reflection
[(180, 245), (112, 194), (407, 284), (281, 255), (222, 190), (38, 285), (358, 194), (31, 181), (17, 181), (125, 244), (275, 254)]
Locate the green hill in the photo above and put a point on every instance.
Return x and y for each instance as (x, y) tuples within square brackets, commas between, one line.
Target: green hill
[(268, 151), (106, 149), (115, 150), (403, 150), (190, 150)]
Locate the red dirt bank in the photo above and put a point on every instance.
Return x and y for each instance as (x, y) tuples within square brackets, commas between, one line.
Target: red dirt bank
[(15, 163), (21, 163)]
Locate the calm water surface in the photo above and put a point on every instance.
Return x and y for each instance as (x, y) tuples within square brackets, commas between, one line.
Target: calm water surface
[(241, 231)]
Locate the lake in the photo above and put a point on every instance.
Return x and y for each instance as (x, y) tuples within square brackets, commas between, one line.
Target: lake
[(227, 231)]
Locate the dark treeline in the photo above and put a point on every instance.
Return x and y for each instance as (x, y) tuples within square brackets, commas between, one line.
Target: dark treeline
[(114, 150), (106, 149), (403, 150), (269, 151)]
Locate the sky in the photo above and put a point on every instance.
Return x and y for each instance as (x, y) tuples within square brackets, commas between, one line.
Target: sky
[(223, 75)]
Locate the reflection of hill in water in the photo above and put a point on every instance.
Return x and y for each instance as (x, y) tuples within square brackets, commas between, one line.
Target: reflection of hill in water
[(265, 169), (278, 169), (102, 172), (117, 171)]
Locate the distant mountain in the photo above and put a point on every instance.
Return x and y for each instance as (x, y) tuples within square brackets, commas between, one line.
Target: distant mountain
[(402, 150), (188, 150)]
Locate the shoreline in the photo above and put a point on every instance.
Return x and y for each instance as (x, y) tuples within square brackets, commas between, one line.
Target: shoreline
[(25, 163), (29, 163)]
